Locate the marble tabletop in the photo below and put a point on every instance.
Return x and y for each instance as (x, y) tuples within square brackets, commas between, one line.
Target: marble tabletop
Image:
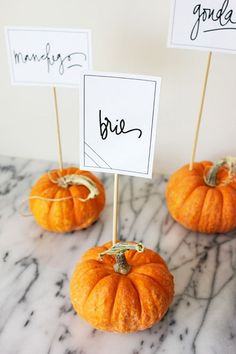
[(36, 315)]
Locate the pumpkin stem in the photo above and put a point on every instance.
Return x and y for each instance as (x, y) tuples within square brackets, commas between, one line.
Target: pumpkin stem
[(70, 180), (229, 162), (118, 250)]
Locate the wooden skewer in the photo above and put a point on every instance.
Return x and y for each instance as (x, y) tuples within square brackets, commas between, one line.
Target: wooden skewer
[(115, 209), (196, 134), (60, 160)]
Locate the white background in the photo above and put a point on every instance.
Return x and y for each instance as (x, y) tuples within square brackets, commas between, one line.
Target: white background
[(127, 37)]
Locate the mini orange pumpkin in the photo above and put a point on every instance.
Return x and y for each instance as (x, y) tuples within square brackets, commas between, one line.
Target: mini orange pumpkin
[(121, 293), (204, 199), (68, 199)]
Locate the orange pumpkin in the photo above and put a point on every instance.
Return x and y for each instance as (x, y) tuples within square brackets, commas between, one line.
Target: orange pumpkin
[(68, 199), (204, 199), (121, 293)]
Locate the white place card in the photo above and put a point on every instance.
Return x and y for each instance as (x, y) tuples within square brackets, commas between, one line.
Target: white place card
[(203, 24), (118, 123), (48, 56)]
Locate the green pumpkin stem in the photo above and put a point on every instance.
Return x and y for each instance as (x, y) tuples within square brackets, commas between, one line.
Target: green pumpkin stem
[(229, 162), (79, 180), (118, 250)]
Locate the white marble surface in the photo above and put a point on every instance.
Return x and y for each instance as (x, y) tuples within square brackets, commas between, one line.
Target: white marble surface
[(36, 316)]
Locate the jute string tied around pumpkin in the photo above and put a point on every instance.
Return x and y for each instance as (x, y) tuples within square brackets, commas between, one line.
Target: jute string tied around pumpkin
[(118, 250), (65, 182), (230, 163)]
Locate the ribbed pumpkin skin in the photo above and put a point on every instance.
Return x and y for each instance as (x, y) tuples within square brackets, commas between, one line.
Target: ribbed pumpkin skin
[(114, 302), (198, 207), (67, 215)]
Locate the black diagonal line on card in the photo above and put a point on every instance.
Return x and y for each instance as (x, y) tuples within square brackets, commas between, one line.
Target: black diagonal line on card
[(97, 155), (92, 159)]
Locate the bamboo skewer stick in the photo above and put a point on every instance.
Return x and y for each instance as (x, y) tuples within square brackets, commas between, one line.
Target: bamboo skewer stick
[(60, 159), (196, 134), (115, 209)]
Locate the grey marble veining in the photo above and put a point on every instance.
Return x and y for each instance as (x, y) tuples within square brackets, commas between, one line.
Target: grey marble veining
[(36, 316)]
